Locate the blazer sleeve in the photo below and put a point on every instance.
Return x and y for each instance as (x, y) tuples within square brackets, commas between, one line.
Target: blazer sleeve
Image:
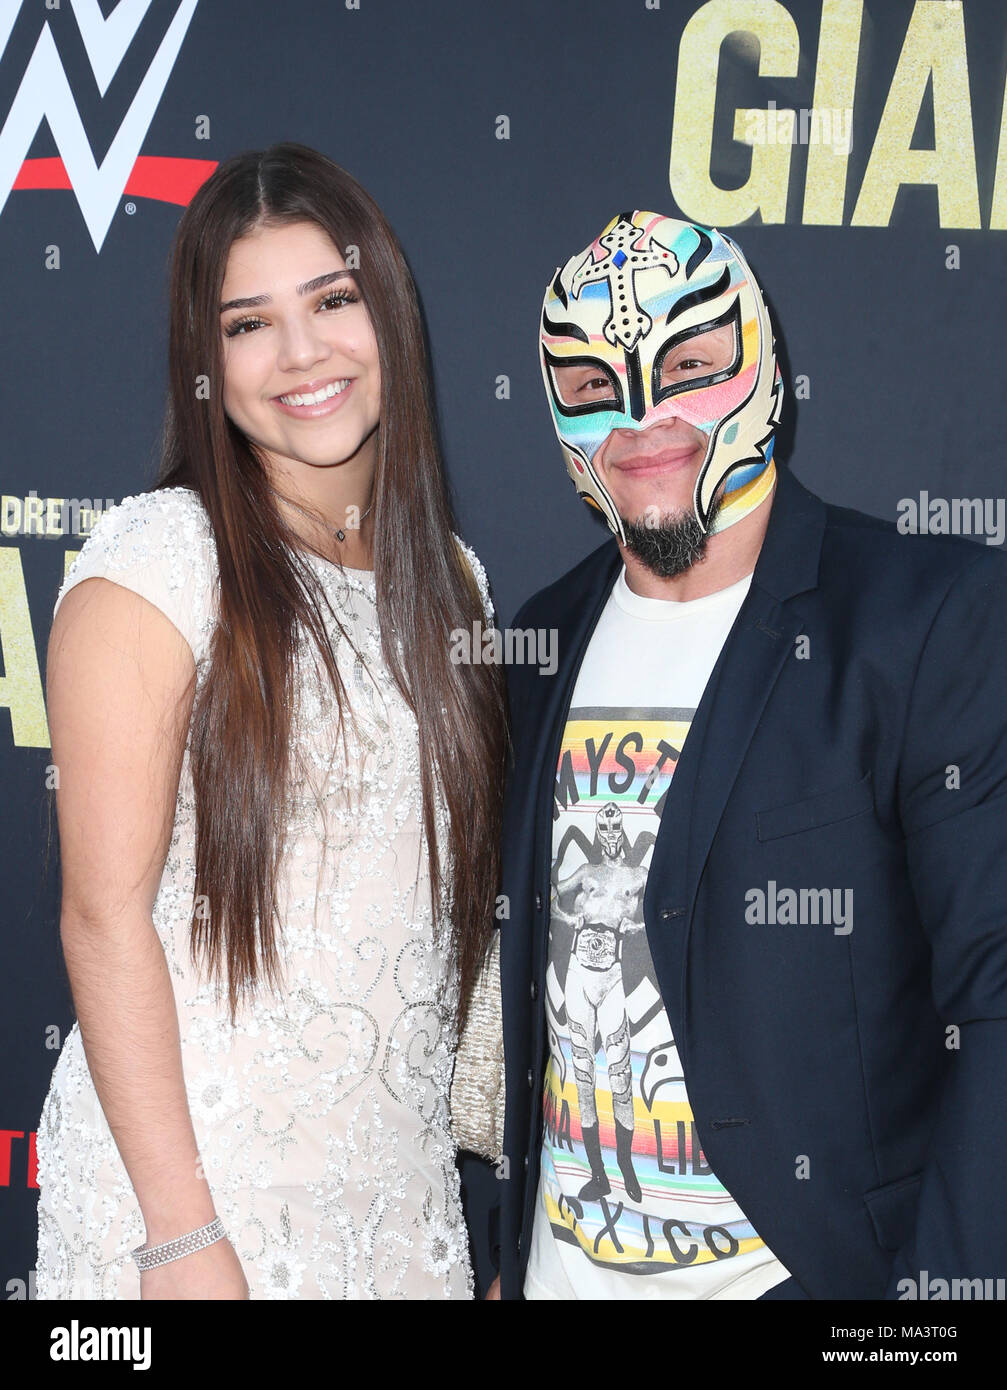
[(953, 805)]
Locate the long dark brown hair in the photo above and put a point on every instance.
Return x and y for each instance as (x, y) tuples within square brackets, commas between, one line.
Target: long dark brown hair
[(242, 710)]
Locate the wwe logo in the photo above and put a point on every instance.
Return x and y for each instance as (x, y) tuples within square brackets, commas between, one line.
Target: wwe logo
[(45, 92)]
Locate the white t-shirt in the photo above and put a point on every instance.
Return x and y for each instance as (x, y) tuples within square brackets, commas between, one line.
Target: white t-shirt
[(627, 1205)]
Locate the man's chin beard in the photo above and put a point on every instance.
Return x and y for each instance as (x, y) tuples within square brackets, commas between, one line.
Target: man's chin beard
[(673, 545)]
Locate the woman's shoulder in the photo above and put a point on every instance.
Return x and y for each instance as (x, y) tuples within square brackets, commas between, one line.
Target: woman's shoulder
[(136, 527), (159, 544), (480, 576)]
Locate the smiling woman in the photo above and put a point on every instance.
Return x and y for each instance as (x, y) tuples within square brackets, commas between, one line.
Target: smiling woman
[(307, 354), (279, 798)]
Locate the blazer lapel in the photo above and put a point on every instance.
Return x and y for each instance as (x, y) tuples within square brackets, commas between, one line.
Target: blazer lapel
[(575, 623), (753, 655)]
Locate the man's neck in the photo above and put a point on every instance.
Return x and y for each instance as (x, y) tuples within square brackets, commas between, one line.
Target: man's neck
[(730, 555)]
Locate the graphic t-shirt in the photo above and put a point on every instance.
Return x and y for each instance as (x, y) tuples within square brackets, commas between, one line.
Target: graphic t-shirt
[(627, 1205)]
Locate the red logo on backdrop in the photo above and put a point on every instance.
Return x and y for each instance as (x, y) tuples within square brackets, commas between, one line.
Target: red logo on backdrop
[(44, 93), (9, 1138)]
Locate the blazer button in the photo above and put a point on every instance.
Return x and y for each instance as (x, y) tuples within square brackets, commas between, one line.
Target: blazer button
[(531, 1077), (526, 1163), (538, 902), (534, 989)]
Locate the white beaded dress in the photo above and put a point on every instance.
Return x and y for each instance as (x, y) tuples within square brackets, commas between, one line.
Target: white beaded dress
[(322, 1116)]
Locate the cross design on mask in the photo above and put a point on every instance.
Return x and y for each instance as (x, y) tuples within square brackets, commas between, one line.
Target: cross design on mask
[(627, 321)]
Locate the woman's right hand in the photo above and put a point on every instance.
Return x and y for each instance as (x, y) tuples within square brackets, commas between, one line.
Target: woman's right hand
[(213, 1272)]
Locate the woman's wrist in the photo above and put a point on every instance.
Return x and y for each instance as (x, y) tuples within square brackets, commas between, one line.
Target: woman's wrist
[(152, 1256), (169, 1220)]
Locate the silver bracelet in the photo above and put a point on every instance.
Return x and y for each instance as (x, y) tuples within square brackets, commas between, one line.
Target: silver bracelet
[(150, 1256)]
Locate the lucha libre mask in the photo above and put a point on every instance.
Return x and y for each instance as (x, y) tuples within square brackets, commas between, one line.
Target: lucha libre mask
[(644, 286), (608, 823)]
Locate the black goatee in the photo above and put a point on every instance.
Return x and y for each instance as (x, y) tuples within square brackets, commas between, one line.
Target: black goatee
[(671, 546)]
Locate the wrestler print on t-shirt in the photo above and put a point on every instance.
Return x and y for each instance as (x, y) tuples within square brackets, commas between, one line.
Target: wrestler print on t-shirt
[(624, 1175)]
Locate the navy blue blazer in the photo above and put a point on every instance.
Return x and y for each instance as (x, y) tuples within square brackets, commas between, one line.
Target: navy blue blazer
[(870, 756)]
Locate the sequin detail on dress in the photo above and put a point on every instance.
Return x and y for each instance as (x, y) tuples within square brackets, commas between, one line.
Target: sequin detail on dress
[(322, 1116)]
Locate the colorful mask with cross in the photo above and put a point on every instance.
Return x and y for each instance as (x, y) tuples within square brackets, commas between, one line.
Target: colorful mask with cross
[(646, 285)]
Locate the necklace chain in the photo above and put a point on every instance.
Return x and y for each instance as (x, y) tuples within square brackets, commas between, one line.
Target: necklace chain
[(337, 531)]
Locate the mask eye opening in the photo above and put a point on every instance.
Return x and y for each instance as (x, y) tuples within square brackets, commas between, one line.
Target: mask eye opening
[(731, 316), (614, 401)]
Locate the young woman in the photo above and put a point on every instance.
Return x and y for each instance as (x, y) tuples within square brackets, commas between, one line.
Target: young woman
[(278, 796)]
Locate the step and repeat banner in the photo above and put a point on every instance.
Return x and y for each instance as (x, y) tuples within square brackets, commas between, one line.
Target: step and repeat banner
[(856, 149)]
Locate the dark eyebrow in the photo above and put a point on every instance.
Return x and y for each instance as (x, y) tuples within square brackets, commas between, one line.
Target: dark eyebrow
[(309, 287)]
